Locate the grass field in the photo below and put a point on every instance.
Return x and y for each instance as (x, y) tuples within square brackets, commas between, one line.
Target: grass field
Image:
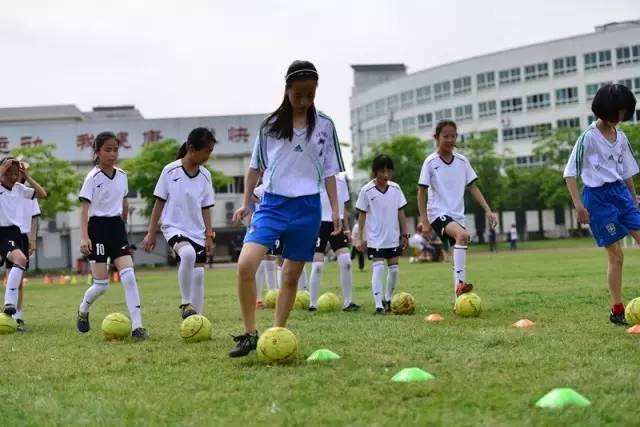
[(487, 373)]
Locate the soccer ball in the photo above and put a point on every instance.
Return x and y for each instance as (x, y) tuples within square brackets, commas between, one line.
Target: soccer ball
[(195, 328), (403, 303), (328, 302), (270, 299), (632, 311), (7, 324), (303, 299), (277, 345), (116, 326), (468, 305)]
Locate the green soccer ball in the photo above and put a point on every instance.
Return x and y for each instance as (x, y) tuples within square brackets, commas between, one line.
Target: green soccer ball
[(270, 299), (7, 324), (468, 305), (403, 303), (303, 299), (195, 328), (116, 326), (277, 345), (632, 311), (328, 302)]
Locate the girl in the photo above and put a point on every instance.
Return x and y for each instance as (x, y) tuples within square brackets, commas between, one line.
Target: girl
[(297, 151), (447, 175), (603, 159), (184, 197), (11, 241), (103, 214)]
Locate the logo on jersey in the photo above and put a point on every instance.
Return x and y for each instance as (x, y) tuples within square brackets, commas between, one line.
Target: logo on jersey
[(611, 228), (298, 148), (176, 179)]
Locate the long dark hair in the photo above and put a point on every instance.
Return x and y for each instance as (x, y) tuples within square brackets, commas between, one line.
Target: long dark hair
[(99, 142), (279, 124), (198, 138)]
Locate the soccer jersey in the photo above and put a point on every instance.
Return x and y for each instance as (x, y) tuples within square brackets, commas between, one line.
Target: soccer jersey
[(104, 193), (343, 197), (598, 161), (258, 192), (185, 197), (30, 208), (298, 167), (382, 226), (446, 184), (11, 203)]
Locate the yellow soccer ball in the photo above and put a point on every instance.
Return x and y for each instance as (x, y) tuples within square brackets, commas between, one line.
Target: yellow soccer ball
[(403, 303), (270, 299), (116, 326), (7, 324), (277, 345), (303, 299), (328, 302), (468, 305), (195, 328), (632, 311)]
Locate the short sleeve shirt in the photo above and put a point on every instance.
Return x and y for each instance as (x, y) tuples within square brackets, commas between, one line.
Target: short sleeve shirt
[(105, 193), (382, 226)]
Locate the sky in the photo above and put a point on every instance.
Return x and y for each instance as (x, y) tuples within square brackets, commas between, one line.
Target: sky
[(192, 57)]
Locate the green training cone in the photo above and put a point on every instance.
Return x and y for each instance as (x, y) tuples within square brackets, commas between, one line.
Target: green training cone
[(323, 355), (561, 397), (409, 375)]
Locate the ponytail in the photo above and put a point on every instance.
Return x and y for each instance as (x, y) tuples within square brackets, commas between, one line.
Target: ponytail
[(198, 138), (182, 151)]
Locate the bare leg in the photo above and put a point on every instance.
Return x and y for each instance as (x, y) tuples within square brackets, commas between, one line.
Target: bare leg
[(248, 262), (290, 274), (614, 272)]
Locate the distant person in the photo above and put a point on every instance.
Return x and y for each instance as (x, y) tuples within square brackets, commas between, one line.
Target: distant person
[(604, 160), (493, 247), (513, 238)]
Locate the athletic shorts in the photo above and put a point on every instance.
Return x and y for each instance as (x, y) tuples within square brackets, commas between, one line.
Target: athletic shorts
[(108, 238), (337, 242), (201, 253), (23, 245), (276, 249), (295, 221), (612, 212), (384, 253), (440, 224), (10, 240)]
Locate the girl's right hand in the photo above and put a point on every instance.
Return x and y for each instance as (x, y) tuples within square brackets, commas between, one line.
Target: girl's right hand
[(361, 246), (85, 246), (240, 214), (149, 242), (583, 215)]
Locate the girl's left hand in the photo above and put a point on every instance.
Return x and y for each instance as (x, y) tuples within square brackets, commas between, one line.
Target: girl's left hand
[(209, 246), (404, 242), (337, 223), (493, 219)]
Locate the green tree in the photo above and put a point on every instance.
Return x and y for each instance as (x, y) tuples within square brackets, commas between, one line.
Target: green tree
[(144, 169), (58, 177)]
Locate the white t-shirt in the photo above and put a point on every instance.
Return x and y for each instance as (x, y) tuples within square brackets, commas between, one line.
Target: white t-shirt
[(29, 209), (382, 226), (298, 167), (258, 192), (104, 193), (513, 233), (446, 184), (11, 203), (343, 197), (185, 197), (598, 161)]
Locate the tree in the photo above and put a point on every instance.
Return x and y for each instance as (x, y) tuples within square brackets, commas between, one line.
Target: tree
[(144, 169), (57, 176)]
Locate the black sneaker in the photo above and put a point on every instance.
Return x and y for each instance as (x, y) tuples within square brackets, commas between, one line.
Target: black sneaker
[(187, 310), (9, 309), (244, 344), (351, 307), (21, 326), (83, 322), (379, 311), (387, 306), (618, 319), (139, 334), (312, 308)]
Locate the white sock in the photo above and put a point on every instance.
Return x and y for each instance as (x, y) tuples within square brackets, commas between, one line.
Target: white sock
[(197, 289), (377, 281), (18, 315), (260, 279), (317, 268), (270, 274), (13, 283), (344, 261), (459, 264), (279, 275), (131, 296), (98, 288), (392, 279), (302, 280), (185, 271)]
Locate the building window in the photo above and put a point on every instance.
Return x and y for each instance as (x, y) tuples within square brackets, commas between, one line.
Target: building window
[(406, 99), (632, 84), (595, 60), (487, 109), (566, 65), (512, 105), (409, 124), (381, 107), (568, 95), (425, 120), (370, 110), (394, 128), (462, 85), (536, 71), (628, 55), (370, 134), (486, 80), (509, 76), (442, 90), (525, 132), (381, 131), (443, 114), (592, 89), (393, 103), (464, 112), (573, 122), (538, 101), (424, 94)]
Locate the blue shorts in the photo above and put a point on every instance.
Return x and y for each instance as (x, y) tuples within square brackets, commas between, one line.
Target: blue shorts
[(295, 221), (612, 212)]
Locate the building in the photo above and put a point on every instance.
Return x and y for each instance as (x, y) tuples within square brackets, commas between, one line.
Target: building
[(72, 131)]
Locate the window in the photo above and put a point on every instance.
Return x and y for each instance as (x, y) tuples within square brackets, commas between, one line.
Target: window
[(632, 84), (573, 122), (536, 71), (628, 54), (486, 80), (381, 131), (591, 89), (425, 120), (394, 128), (235, 186), (525, 132), (443, 114), (393, 103), (595, 60), (409, 124), (424, 94), (487, 109), (567, 95), (512, 105), (537, 101), (370, 110), (509, 76), (566, 65), (464, 112), (381, 107), (442, 90), (406, 99), (462, 85)]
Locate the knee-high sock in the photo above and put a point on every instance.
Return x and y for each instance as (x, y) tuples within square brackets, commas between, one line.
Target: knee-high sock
[(270, 274), (131, 296), (185, 271), (459, 264), (13, 283), (392, 279), (98, 288), (317, 267), (302, 281), (197, 289), (344, 261), (279, 275), (260, 279), (377, 282)]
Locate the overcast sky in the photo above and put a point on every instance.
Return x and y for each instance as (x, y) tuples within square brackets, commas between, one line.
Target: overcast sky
[(182, 58)]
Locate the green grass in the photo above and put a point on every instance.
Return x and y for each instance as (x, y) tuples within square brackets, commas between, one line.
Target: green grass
[(487, 373)]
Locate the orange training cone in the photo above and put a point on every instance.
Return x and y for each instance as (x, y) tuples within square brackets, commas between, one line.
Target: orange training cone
[(523, 323), (116, 276), (634, 329), (434, 318)]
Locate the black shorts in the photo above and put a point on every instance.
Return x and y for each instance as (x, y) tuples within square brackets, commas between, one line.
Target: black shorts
[(201, 253), (439, 225), (337, 242), (23, 245), (384, 253), (10, 240), (108, 238)]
